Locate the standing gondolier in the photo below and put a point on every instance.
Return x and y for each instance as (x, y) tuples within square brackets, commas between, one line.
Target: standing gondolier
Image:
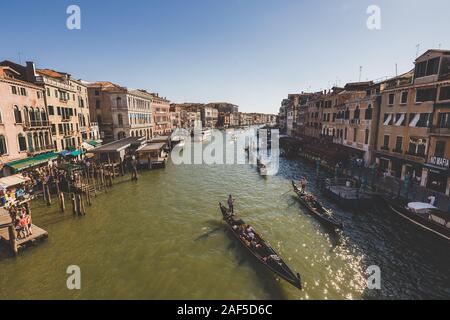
[(230, 204)]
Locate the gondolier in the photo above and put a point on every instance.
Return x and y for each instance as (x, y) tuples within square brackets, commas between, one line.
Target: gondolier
[(230, 204)]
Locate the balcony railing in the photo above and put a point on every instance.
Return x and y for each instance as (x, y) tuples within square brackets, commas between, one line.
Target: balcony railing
[(34, 150), (30, 124), (66, 118), (443, 131)]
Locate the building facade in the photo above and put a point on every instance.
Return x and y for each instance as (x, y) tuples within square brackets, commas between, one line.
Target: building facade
[(24, 126), (120, 112), (161, 115)]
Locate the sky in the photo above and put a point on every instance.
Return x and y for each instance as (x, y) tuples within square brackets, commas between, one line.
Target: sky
[(248, 52)]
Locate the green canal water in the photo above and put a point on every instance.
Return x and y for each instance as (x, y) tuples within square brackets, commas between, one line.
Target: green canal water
[(146, 240)]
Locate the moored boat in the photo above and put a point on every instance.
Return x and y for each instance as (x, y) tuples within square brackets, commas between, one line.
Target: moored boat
[(262, 251), (424, 215), (317, 209)]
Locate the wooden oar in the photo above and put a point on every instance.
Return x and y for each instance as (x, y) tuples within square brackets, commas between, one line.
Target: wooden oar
[(285, 193)]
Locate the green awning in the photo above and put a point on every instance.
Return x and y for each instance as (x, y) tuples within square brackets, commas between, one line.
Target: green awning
[(93, 143), (76, 153), (20, 165)]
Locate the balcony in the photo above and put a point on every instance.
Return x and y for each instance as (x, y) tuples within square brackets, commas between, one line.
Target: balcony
[(66, 118), (40, 149), (440, 131), (36, 124)]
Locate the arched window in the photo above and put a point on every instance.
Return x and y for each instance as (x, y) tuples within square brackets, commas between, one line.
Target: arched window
[(357, 113), (132, 133), (120, 119), (43, 115), (3, 147), (118, 102), (368, 115), (22, 142), (17, 115), (31, 114)]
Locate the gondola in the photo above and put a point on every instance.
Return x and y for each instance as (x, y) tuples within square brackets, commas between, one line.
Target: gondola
[(317, 209), (263, 253)]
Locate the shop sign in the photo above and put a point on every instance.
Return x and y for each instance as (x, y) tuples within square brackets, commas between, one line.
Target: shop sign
[(438, 161)]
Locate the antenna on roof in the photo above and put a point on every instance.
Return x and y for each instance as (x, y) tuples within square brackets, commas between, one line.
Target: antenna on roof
[(396, 70), (440, 45), (360, 73), (19, 54), (418, 50)]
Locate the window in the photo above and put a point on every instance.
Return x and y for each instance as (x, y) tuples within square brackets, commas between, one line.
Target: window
[(23, 91), (398, 144), (444, 120), (433, 66), (3, 147), (391, 99), (357, 113), (400, 119), (58, 110), (439, 151), (366, 136), (97, 93), (56, 93), (22, 142), (427, 68), (14, 89), (368, 114), (417, 146), (386, 142), (54, 129), (388, 119), (48, 92), (445, 93), (17, 115), (120, 119), (51, 110), (424, 120), (421, 69), (404, 99), (355, 134), (97, 104), (423, 95)]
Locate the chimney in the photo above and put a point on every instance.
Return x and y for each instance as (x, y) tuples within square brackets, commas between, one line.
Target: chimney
[(30, 71)]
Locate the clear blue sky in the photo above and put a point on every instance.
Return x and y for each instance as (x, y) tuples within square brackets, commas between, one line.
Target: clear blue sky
[(249, 52)]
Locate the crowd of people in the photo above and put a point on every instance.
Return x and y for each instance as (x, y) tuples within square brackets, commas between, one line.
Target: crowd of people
[(21, 219)]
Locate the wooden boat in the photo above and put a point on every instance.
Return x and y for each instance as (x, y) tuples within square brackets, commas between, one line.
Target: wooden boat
[(424, 215), (262, 251), (317, 209)]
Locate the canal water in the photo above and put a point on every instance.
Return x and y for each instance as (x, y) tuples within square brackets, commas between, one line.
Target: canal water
[(162, 238)]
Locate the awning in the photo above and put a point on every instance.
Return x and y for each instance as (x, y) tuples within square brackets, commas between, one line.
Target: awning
[(74, 153), (13, 180), (93, 143), (87, 146), (20, 165)]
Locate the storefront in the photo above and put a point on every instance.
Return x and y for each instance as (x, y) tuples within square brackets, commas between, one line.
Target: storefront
[(438, 178)]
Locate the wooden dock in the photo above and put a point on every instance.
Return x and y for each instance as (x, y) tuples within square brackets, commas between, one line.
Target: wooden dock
[(18, 244)]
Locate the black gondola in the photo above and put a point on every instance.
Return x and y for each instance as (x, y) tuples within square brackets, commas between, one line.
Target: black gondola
[(260, 249), (317, 209)]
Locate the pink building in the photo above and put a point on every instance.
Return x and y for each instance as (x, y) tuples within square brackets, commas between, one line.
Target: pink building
[(24, 125)]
